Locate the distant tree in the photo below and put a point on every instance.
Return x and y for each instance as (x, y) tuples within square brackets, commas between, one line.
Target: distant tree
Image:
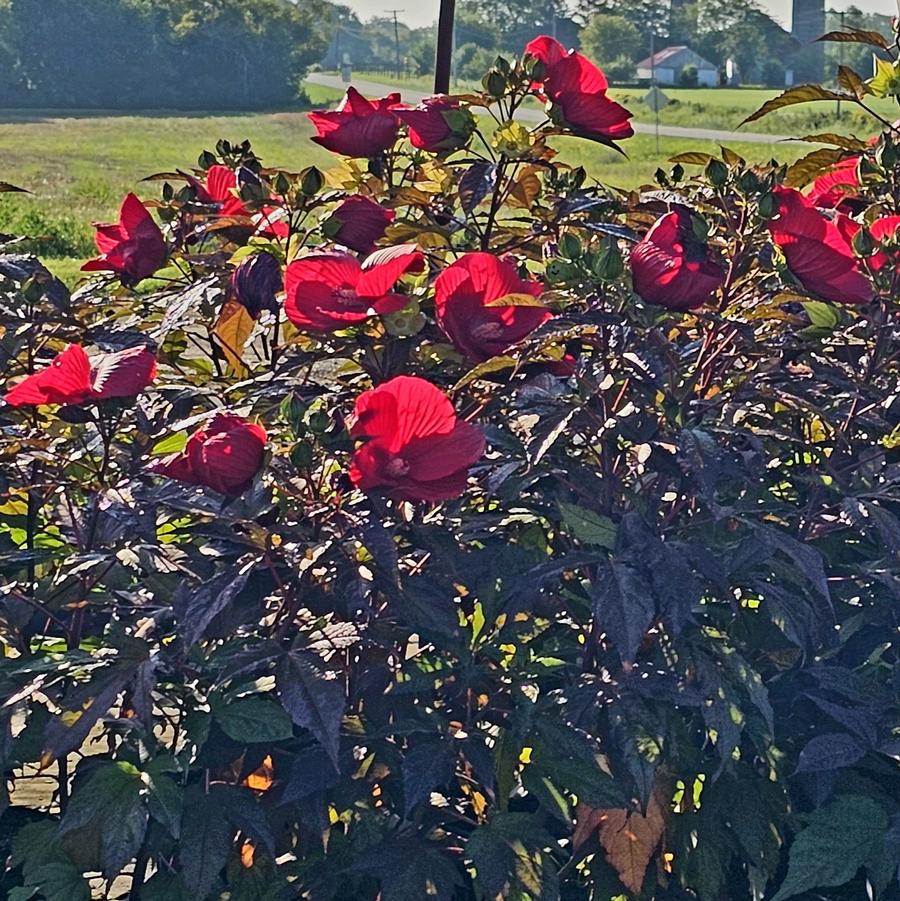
[(688, 77), (647, 16), (136, 54), (856, 56), (473, 61), (683, 19), (739, 30), (471, 28), (608, 38), (517, 21)]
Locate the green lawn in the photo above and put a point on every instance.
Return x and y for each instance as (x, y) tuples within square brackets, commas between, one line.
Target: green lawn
[(80, 166)]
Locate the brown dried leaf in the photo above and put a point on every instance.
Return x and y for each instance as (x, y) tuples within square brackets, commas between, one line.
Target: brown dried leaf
[(628, 838), (232, 329), (803, 93), (812, 166), (526, 189), (856, 36)]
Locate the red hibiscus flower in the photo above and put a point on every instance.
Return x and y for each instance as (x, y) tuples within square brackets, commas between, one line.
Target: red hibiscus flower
[(415, 448), (835, 188), (818, 255), (224, 456), (672, 268), (576, 89), (465, 301), (358, 127), (438, 124), (73, 378), (221, 189), (358, 223), (133, 247), (325, 292)]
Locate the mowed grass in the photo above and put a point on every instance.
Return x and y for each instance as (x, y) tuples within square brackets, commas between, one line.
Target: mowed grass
[(78, 168)]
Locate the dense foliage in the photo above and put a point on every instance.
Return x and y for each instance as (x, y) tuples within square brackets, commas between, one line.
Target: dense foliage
[(448, 526), (157, 54)]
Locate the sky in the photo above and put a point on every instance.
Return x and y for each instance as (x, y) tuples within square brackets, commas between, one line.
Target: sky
[(424, 12)]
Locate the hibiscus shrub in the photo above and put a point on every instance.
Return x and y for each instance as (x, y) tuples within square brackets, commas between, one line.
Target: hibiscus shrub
[(449, 526)]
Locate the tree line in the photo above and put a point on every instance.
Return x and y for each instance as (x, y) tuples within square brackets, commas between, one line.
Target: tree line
[(157, 54), (614, 33)]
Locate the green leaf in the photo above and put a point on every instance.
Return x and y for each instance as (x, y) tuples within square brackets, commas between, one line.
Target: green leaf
[(254, 719), (831, 751), (426, 767), (510, 859), (494, 364), (313, 697), (198, 605), (588, 526), (838, 840), (822, 315), (111, 805), (206, 839), (171, 444), (60, 881), (886, 81), (804, 93), (166, 802), (624, 605), (410, 870)]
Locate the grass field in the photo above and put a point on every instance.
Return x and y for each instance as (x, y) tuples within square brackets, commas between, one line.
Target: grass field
[(79, 167)]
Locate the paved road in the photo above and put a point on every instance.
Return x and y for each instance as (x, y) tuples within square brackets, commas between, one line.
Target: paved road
[(374, 88)]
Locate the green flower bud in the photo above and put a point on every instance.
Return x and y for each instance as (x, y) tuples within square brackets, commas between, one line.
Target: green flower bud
[(311, 181)]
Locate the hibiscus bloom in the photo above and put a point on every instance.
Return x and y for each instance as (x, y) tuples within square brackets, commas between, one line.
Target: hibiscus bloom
[(226, 455), (834, 189), (73, 378), (466, 296), (576, 89), (358, 127), (325, 292), (672, 268), (133, 247), (358, 223), (818, 255), (438, 124), (416, 449), (220, 189)]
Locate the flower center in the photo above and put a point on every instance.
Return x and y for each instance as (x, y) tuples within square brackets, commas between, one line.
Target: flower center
[(397, 468), (345, 296), (485, 331)]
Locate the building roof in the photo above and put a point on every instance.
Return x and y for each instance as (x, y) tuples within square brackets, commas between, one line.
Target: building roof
[(667, 57)]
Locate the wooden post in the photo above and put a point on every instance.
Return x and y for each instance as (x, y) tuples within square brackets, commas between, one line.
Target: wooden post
[(444, 56)]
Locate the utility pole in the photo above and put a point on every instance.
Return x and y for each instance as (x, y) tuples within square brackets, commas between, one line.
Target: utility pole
[(443, 59), (393, 12), (841, 59), (653, 82)]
